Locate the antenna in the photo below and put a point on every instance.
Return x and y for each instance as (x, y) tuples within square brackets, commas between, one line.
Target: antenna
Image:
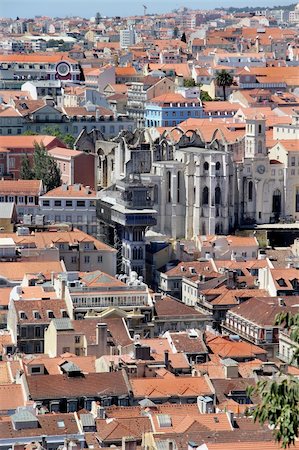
[(144, 10)]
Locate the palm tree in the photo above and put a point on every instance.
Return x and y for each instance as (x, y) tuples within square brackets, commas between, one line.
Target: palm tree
[(224, 79)]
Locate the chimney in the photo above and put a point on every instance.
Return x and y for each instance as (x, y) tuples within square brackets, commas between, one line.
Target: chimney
[(129, 443), (63, 286), (166, 358), (101, 334), (231, 279)]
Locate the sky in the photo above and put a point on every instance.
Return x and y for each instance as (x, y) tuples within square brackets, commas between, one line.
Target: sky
[(88, 8)]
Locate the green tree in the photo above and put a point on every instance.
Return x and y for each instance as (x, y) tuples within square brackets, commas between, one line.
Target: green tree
[(45, 168), (189, 82), (67, 138), (26, 172), (29, 133), (205, 97), (224, 80), (279, 405)]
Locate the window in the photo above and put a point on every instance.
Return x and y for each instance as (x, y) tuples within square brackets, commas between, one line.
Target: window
[(260, 147), (205, 196), (81, 203), (206, 165), (217, 196), (12, 162), (73, 259), (68, 203), (77, 339), (35, 369), (297, 199), (179, 187), (250, 190), (100, 259), (51, 315), (87, 259), (46, 202), (21, 199), (30, 199), (36, 315), (168, 176), (37, 332), (11, 198), (57, 202), (22, 315), (218, 165)]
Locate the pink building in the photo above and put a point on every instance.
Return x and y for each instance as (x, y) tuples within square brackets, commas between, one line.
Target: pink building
[(75, 166)]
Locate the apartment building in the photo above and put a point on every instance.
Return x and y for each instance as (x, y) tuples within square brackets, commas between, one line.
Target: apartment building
[(74, 204)]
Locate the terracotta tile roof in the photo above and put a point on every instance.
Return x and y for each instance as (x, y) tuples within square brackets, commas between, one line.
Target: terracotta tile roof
[(25, 142), (81, 111), (180, 69), (291, 145), (172, 97), (36, 58), (52, 365), (248, 445), (5, 341), (225, 348), (183, 342), (170, 386), (116, 327), (19, 187), (100, 279), (9, 112), (112, 430), (119, 88), (50, 238), (73, 191), (64, 152), (11, 397), (220, 106), (48, 426), (226, 296), (171, 307), (224, 387), (125, 71), (200, 435), (263, 311), (4, 296), (5, 377), (44, 387), (16, 270), (183, 268), (42, 306)]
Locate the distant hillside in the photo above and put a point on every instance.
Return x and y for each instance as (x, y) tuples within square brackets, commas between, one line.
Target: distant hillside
[(233, 9)]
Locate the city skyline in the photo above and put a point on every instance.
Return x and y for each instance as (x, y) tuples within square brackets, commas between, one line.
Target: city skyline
[(58, 8)]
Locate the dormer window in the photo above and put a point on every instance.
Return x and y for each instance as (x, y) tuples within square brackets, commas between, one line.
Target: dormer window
[(22, 315), (36, 315), (64, 314), (281, 282), (50, 315)]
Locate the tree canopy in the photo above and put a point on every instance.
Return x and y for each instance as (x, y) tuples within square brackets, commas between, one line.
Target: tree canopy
[(224, 80), (279, 405), (67, 138), (44, 168)]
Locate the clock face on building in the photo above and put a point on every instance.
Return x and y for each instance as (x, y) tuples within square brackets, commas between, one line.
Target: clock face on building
[(63, 69), (261, 169)]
